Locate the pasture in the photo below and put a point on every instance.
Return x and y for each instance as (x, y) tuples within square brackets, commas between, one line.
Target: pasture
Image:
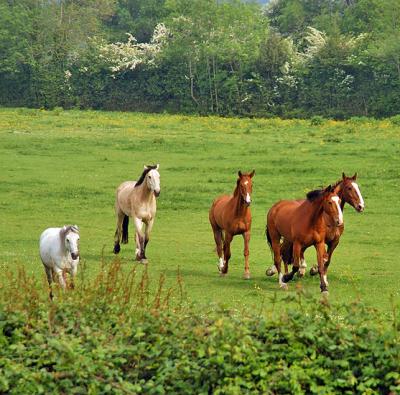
[(61, 167)]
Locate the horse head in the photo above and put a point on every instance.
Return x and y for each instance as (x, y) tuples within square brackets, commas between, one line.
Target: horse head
[(153, 179), (71, 240), (331, 204), (245, 186), (350, 192)]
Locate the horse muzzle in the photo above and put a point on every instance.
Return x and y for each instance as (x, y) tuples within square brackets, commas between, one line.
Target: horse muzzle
[(157, 193), (360, 208), (74, 256)]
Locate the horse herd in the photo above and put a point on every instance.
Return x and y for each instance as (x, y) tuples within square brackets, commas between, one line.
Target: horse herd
[(292, 226)]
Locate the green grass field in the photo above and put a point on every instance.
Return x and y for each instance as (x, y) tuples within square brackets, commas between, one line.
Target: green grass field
[(61, 167)]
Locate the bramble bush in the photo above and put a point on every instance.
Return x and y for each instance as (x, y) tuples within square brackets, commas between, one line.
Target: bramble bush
[(112, 334)]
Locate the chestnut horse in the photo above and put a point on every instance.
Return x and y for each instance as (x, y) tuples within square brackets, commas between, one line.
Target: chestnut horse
[(304, 226), (231, 215), (349, 192)]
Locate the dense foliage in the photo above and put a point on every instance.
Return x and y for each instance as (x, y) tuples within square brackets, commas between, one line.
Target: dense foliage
[(111, 335), (291, 58)]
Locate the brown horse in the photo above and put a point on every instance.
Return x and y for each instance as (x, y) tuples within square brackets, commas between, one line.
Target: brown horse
[(349, 192), (232, 215), (304, 226)]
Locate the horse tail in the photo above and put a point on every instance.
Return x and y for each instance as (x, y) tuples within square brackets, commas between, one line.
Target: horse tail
[(269, 241), (287, 252), (125, 224)]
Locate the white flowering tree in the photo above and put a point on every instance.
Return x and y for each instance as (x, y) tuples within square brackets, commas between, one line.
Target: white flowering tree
[(129, 55)]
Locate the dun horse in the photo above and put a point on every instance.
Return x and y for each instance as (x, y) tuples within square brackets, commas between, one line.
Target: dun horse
[(231, 215), (349, 192), (137, 199), (304, 226)]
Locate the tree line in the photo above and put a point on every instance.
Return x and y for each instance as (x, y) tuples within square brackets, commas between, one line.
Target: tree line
[(289, 58)]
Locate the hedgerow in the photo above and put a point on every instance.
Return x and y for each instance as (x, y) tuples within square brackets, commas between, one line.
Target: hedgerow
[(113, 335)]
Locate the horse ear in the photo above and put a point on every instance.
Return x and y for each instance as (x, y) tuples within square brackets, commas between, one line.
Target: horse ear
[(145, 167), (158, 166), (329, 189), (239, 173), (252, 173), (355, 176), (343, 176)]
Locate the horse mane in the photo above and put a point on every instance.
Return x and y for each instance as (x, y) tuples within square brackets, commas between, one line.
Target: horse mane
[(143, 176), (314, 195), (66, 229)]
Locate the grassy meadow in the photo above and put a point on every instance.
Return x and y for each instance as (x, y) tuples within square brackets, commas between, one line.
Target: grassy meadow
[(60, 167)]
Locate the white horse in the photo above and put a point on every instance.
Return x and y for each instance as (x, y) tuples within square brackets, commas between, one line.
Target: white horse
[(59, 251), (137, 199)]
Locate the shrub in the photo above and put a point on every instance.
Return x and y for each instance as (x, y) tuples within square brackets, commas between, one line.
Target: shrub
[(113, 335), (317, 120), (395, 120)]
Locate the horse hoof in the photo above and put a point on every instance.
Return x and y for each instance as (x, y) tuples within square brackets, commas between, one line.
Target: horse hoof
[(270, 272), (117, 249), (301, 273), (222, 274), (246, 276), (324, 294), (144, 261), (284, 286), (313, 271)]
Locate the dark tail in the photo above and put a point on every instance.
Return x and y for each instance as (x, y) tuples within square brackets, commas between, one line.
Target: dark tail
[(125, 224), (268, 237), (287, 252)]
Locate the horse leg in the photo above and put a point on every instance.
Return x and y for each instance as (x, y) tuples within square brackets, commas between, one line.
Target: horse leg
[(218, 242), (246, 237), (321, 257), (139, 239), (331, 247), (118, 231), (271, 270), (149, 227), (303, 265), (296, 261), (61, 278), (276, 248), (49, 275), (227, 252)]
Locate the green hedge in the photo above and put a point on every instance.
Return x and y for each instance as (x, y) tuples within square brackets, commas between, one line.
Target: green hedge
[(112, 336)]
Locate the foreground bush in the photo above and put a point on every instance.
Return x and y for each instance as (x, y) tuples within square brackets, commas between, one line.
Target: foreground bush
[(111, 336)]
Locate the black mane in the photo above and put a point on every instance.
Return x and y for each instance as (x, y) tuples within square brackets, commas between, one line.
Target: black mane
[(143, 176), (313, 195)]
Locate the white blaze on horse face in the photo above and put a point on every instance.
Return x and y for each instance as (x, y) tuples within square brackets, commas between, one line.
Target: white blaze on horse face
[(357, 189), (248, 198), (153, 180), (340, 213)]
